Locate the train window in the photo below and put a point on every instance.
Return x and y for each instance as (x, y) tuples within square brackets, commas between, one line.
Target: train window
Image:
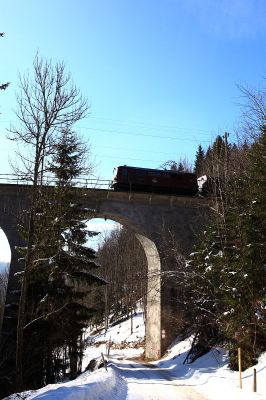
[(124, 172)]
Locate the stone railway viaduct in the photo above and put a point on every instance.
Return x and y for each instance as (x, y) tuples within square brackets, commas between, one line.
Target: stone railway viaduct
[(146, 214)]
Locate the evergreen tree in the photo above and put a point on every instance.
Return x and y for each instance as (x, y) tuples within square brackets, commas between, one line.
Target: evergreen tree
[(203, 288), (180, 167), (199, 162), (63, 276), (47, 103), (227, 272)]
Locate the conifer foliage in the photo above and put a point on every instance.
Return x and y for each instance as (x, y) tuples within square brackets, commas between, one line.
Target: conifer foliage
[(227, 271), (199, 162), (62, 275), (47, 102), (53, 306)]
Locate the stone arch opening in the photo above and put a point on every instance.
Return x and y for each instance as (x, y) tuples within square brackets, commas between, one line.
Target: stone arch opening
[(153, 306), (5, 260), (9, 224), (5, 251)]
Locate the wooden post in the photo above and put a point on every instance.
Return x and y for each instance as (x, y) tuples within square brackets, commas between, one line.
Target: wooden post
[(240, 367), (109, 346), (254, 380), (104, 362)]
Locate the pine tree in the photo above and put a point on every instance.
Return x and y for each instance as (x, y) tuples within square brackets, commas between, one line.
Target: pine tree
[(227, 271), (63, 276), (46, 104), (199, 162), (203, 288), (77, 260)]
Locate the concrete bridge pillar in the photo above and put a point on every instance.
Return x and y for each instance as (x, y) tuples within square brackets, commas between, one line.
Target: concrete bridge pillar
[(153, 324)]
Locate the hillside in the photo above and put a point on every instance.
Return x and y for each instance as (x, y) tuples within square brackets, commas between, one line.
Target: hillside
[(208, 378)]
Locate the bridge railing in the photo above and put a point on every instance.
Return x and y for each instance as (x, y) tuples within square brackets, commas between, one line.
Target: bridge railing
[(82, 182)]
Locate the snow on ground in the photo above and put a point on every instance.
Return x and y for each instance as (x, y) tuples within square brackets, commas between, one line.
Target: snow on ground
[(98, 385), (210, 374), (123, 343), (208, 378)]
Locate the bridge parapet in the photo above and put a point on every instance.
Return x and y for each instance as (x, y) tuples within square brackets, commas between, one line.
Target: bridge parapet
[(82, 182)]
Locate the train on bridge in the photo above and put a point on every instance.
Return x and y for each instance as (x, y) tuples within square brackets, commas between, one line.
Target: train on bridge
[(138, 179), (154, 180)]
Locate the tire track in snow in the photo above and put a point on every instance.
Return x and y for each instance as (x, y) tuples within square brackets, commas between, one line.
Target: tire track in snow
[(148, 382)]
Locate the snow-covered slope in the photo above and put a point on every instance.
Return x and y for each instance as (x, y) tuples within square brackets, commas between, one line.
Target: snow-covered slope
[(119, 338), (208, 378), (211, 376)]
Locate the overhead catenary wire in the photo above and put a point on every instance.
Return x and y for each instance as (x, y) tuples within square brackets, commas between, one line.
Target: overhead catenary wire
[(142, 134), (141, 150), (130, 159), (142, 125), (119, 132), (92, 130), (152, 126)]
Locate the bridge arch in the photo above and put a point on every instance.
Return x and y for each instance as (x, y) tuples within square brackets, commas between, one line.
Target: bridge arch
[(153, 308), (145, 214)]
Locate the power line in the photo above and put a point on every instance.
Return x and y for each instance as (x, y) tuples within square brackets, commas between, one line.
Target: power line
[(119, 132), (140, 150), (105, 131), (157, 127), (151, 126), (129, 159)]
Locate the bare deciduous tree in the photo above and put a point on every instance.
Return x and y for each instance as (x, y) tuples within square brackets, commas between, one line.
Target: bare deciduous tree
[(125, 269), (181, 166), (46, 104), (253, 112)]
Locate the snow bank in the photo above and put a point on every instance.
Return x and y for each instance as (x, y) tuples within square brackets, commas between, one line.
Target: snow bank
[(211, 376), (208, 378), (100, 385)]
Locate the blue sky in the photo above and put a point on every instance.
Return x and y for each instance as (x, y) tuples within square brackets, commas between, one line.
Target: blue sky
[(160, 76)]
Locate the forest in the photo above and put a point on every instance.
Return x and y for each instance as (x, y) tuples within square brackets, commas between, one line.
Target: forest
[(220, 295)]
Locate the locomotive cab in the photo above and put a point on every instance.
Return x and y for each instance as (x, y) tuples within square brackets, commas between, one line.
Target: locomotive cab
[(120, 178)]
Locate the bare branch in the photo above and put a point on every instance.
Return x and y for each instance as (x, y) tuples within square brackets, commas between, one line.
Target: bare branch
[(46, 316)]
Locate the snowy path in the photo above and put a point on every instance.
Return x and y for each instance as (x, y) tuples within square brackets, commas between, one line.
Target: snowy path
[(152, 383), (208, 378)]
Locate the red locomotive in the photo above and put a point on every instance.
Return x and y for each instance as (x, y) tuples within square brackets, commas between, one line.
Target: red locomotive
[(154, 180)]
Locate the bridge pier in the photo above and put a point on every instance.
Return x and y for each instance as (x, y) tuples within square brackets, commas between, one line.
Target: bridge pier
[(153, 323)]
